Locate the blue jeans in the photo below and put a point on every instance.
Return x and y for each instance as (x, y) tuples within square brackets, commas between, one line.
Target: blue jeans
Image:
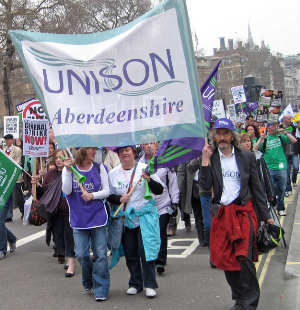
[(94, 275), (279, 178), (206, 215), (5, 234), (293, 162)]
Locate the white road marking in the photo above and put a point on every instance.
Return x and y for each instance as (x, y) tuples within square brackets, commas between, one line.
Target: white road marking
[(31, 238), (186, 249)]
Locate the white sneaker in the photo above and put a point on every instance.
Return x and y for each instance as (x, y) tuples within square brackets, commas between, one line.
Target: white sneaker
[(150, 292), (131, 291), (100, 298), (294, 185), (282, 213)]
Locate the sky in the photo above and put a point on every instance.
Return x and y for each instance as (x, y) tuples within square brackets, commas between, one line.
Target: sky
[(276, 22)]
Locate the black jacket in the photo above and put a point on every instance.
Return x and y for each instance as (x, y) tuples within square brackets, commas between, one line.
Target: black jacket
[(265, 177), (251, 187)]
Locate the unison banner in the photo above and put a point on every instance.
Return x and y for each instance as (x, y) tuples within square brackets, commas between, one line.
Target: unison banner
[(134, 84)]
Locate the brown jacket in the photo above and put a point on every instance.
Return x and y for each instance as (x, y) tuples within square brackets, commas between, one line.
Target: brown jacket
[(16, 155)]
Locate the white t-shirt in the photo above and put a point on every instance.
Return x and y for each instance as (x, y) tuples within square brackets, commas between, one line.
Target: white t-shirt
[(231, 178), (119, 181)]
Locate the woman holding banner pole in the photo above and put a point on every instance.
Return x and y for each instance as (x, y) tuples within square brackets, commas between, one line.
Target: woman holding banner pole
[(88, 218), (122, 178)]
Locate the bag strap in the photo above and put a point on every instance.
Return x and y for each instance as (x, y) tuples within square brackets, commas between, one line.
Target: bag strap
[(264, 145)]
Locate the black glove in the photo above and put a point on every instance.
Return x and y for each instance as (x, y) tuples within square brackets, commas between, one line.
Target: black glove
[(174, 207), (273, 202)]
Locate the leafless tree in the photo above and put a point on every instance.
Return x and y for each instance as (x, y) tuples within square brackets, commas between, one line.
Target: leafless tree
[(17, 14), (58, 16)]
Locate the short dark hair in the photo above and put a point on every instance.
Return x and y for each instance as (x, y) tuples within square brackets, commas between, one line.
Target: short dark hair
[(8, 136)]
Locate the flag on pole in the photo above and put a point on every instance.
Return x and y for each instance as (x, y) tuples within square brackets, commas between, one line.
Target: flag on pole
[(95, 95), (9, 173), (175, 152), (208, 90)]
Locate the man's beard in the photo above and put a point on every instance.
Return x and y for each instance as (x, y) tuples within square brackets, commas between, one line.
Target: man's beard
[(223, 145)]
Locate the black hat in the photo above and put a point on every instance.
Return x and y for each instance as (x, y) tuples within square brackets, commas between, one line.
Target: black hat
[(8, 136)]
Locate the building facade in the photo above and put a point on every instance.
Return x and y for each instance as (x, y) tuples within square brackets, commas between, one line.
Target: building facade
[(239, 61)]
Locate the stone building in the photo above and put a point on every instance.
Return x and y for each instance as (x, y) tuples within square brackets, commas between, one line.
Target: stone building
[(292, 81), (241, 60)]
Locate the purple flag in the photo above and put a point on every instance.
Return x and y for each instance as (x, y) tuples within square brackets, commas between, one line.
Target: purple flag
[(175, 152), (208, 90), (252, 106)]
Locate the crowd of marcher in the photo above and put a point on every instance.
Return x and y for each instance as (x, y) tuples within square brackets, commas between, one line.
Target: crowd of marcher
[(243, 169)]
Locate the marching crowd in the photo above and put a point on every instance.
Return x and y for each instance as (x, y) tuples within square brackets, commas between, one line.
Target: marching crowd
[(243, 169)]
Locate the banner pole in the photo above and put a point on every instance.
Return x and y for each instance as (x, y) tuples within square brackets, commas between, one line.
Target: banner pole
[(34, 175), (129, 194), (42, 167)]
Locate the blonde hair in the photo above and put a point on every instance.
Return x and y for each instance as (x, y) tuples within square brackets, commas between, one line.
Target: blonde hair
[(81, 155)]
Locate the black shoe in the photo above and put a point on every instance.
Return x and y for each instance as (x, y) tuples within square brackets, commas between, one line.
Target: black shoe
[(212, 265), (238, 307), (61, 259), (160, 269), (69, 274), (203, 243), (8, 220), (66, 266)]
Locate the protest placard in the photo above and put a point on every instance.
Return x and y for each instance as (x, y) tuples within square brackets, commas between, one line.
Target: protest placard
[(11, 126), (35, 137), (238, 94), (265, 101), (231, 112), (32, 109), (96, 95), (218, 109)]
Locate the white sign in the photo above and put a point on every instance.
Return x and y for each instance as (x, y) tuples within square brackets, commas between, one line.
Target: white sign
[(231, 112), (265, 101), (33, 110), (218, 109), (11, 126), (35, 138), (238, 94), (288, 110)]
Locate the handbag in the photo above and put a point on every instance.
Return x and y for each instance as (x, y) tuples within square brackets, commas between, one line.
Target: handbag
[(269, 235), (35, 216), (50, 198)]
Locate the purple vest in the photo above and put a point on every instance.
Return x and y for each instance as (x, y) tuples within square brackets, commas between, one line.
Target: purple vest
[(91, 214)]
